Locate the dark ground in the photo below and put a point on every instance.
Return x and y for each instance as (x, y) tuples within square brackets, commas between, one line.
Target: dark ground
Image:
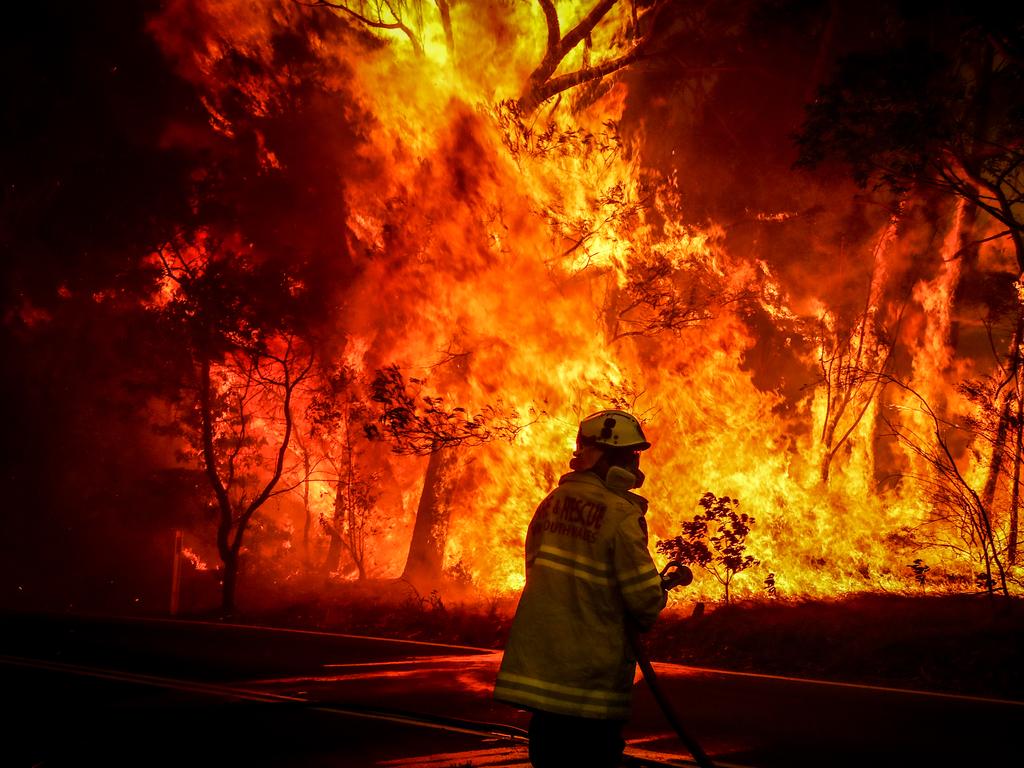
[(89, 690), (968, 644)]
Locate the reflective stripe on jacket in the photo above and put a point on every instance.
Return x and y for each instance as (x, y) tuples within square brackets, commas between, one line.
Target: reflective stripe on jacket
[(588, 570)]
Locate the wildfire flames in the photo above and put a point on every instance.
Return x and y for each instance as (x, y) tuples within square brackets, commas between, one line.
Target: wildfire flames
[(531, 264)]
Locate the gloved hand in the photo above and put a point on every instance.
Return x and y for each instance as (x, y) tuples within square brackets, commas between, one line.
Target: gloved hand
[(675, 574)]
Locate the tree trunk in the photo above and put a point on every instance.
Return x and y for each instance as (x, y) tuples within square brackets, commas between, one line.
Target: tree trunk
[(826, 459), (308, 522), (995, 465), (333, 561), (446, 24), (425, 563), (1011, 540), (230, 581), (354, 512), (337, 546), (225, 511), (999, 447)]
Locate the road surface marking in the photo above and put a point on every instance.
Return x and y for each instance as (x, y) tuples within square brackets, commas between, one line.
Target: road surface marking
[(455, 725), (681, 670), (515, 757)]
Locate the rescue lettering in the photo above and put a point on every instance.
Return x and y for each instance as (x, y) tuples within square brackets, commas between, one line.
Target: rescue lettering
[(584, 534), (571, 516)]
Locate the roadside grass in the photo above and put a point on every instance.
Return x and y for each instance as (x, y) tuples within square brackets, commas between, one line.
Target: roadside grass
[(393, 608), (953, 643)]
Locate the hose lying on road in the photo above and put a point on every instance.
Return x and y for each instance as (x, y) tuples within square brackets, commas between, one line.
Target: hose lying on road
[(672, 575), (699, 756)]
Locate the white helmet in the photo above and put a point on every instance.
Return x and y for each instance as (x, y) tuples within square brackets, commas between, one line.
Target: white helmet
[(612, 429)]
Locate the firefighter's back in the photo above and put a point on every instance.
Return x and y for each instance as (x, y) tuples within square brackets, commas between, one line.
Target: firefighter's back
[(587, 567)]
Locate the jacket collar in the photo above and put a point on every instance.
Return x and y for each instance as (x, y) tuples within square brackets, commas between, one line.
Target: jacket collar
[(589, 478)]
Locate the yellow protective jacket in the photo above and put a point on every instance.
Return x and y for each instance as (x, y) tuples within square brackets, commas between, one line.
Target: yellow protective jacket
[(588, 571)]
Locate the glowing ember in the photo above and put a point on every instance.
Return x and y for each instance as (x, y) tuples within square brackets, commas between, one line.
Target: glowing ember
[(196, 560)]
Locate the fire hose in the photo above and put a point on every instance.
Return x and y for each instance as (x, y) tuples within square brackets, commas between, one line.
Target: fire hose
[(672, 575)]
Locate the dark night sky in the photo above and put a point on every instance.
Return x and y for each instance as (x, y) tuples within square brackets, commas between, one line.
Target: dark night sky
[(86, 183)]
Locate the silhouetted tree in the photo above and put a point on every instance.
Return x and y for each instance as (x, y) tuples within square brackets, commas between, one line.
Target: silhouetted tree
[(997, 422), (420, 425), (629, 46), (401, 15), (236, 409), (956, 501), (850, 357), (920, 570), (939, 105)]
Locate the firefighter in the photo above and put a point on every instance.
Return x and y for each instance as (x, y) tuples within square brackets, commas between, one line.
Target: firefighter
[(588, 573)]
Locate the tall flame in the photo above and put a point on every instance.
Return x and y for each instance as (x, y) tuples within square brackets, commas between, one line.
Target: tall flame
[(513, 248)]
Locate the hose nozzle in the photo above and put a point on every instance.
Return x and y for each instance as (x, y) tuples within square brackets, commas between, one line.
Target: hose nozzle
[(675, 574)]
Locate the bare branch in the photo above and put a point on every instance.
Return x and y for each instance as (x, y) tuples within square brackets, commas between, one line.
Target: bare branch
[(577, 34), (554, 54), (542, 86), (580, 76), (952, 488), (289, 384), (378, 24)]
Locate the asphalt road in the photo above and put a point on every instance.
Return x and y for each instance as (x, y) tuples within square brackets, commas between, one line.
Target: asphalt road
[(84, 691)]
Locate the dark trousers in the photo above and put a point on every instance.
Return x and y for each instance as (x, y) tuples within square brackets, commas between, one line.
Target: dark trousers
[(563, 741)]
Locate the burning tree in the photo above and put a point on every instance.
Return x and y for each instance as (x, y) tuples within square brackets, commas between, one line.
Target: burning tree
[(564, 257), (419, 424), (629, 39), (851, 384), (954, 497), (543, 83), (399, 15), (997, 422), (668, 285), (337, 415), (714, 540), (236, 406), (940, 110), (850, 360), (666, 295)]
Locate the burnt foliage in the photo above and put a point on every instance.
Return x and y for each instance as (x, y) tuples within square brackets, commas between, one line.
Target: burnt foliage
[(416, 423)]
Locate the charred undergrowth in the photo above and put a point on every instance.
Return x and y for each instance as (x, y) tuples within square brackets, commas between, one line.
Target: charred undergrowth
[(956, 644)]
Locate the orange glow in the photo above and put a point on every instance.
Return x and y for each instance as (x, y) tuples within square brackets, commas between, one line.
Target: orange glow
[(517, 254)]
